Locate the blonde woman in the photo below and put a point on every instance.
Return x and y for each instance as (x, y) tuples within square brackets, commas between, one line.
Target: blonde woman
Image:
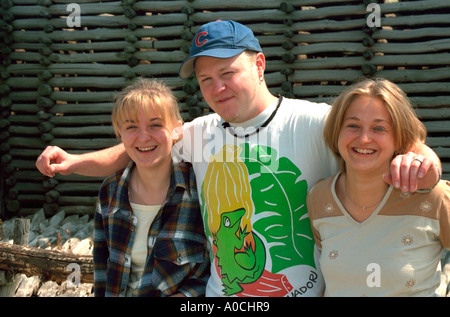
[(375, 239), (148, 235)]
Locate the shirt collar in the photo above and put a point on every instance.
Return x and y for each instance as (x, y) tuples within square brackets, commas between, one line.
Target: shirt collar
[(179, 177), (120, 199)]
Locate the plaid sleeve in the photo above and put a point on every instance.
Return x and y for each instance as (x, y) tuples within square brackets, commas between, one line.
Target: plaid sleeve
[(100, 253)]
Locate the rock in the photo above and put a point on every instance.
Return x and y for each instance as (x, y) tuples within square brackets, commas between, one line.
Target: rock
[(42, 225), (86, 246), (69, 289), (34, 243), (57, 219), (66, 289), (75, 234), (70, 244), (48, 289), (29, 286), (49, 231), (3, 278), (37, 218), (31, 236), (8, 229), (46, 242), (71, 228), (71, 218), (10, 283)]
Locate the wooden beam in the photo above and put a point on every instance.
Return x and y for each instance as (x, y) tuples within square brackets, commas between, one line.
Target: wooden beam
[(52, 265)]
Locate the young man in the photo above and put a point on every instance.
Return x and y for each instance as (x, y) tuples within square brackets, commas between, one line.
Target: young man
[(254, 161)]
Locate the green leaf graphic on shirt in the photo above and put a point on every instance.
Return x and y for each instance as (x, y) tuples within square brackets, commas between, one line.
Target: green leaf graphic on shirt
[(281, 217)]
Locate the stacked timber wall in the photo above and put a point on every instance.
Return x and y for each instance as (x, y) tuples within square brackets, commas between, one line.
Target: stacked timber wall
[(63, 60)]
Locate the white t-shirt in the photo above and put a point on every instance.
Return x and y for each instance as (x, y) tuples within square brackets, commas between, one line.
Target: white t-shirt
[(253, 198)]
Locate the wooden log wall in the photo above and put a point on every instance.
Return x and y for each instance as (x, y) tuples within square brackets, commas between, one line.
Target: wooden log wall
[(57, 80)]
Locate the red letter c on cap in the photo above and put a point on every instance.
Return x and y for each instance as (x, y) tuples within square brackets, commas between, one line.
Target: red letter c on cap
[(197, 38)]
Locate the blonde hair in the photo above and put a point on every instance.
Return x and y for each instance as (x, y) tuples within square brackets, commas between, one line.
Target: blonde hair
[(148, 95), (407, 127)]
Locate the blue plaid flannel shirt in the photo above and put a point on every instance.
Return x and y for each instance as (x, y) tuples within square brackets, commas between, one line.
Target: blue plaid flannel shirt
[(179, 259)]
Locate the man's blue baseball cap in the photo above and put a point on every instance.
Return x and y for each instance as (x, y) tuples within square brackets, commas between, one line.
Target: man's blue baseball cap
[(221, 39)]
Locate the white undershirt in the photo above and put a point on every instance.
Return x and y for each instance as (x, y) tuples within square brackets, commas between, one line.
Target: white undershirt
[(145, 215)]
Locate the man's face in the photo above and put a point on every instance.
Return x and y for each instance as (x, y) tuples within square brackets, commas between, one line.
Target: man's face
[(229, 85)]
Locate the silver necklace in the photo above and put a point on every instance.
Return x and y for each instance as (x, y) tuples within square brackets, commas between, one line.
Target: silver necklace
[(353, 202)]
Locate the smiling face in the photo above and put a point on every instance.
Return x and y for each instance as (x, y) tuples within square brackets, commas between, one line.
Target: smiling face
[(378, 100), (147, 138), (230, 86), (366, 140), (144, 117)]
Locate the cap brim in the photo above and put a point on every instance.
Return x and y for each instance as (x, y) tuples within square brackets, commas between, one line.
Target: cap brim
[(187, 68)]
